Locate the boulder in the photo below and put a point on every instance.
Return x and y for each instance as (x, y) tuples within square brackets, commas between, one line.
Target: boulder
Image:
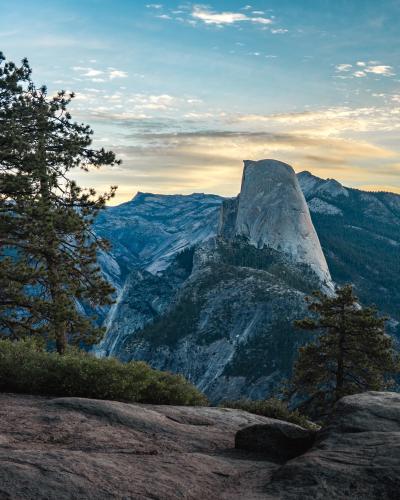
[(357, 456), (276, 440)]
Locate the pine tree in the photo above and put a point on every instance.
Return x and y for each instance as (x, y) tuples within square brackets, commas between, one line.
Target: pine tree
[(351, 354), (48, 250)]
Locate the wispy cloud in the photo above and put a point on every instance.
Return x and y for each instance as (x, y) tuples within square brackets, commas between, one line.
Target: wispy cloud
[(98, 75), (279, 31), (116, 73), (208, 16), (204, 150), (361, 69)]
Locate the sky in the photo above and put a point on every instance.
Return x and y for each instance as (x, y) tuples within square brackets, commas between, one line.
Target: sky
[(184, 92)]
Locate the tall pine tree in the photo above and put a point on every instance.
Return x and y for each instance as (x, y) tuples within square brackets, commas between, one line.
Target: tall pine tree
[(48, 250), (351, 354)]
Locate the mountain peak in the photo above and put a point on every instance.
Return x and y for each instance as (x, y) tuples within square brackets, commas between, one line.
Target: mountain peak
[(312, 185), (271, 211)]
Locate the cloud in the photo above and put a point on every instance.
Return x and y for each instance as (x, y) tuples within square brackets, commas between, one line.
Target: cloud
[(211, 160), (329, 122), (203, 150), (115, 73), (380, 70), (90, 73), (343, 67), (225, 18), (154, 6), (94, 74), (365, 68), (155, 102), (279, 31)]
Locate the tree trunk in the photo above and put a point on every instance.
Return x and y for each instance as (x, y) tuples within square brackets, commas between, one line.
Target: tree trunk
[(57, 318), (340, 359), (59, 326)]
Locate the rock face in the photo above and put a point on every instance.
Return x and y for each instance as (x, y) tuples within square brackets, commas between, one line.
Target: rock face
[(149, 230), (273, 212), (356, 456), (73, 448), (145, 296)]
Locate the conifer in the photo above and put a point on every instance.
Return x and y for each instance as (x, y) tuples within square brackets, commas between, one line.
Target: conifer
[(48, 250), (351, 354)]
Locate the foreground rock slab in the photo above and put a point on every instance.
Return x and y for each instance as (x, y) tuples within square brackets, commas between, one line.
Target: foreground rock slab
[(72, 448), (78, 449)]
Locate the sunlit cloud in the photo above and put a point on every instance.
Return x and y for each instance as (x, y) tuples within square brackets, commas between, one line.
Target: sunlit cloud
[(115, 73), (94, 74), (210, 160), (209, 17), (156, 102), (380, 70), (364, 68)]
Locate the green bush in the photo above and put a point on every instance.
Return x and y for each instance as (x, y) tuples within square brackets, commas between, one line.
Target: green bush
[(25, 367), (272, 408)]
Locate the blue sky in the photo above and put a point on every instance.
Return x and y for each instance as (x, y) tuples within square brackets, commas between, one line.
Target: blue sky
[(184, 91)]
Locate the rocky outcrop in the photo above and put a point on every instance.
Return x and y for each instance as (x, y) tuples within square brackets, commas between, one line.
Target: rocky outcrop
[(74, 448), (356, 456), (272, 212)]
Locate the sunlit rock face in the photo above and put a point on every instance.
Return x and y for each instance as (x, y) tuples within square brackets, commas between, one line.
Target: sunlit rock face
[(272, 212)]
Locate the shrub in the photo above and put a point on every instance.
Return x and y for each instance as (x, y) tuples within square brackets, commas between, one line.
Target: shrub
[(272, 408), (25, 367)]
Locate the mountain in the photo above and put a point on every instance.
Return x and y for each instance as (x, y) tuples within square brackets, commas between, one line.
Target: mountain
[(149, 230), (271, 211), (222, 312), (360, 235), (209, 287)]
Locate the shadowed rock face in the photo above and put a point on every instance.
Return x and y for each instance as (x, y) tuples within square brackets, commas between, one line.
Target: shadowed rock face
[(273, 212), (277, 440)]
